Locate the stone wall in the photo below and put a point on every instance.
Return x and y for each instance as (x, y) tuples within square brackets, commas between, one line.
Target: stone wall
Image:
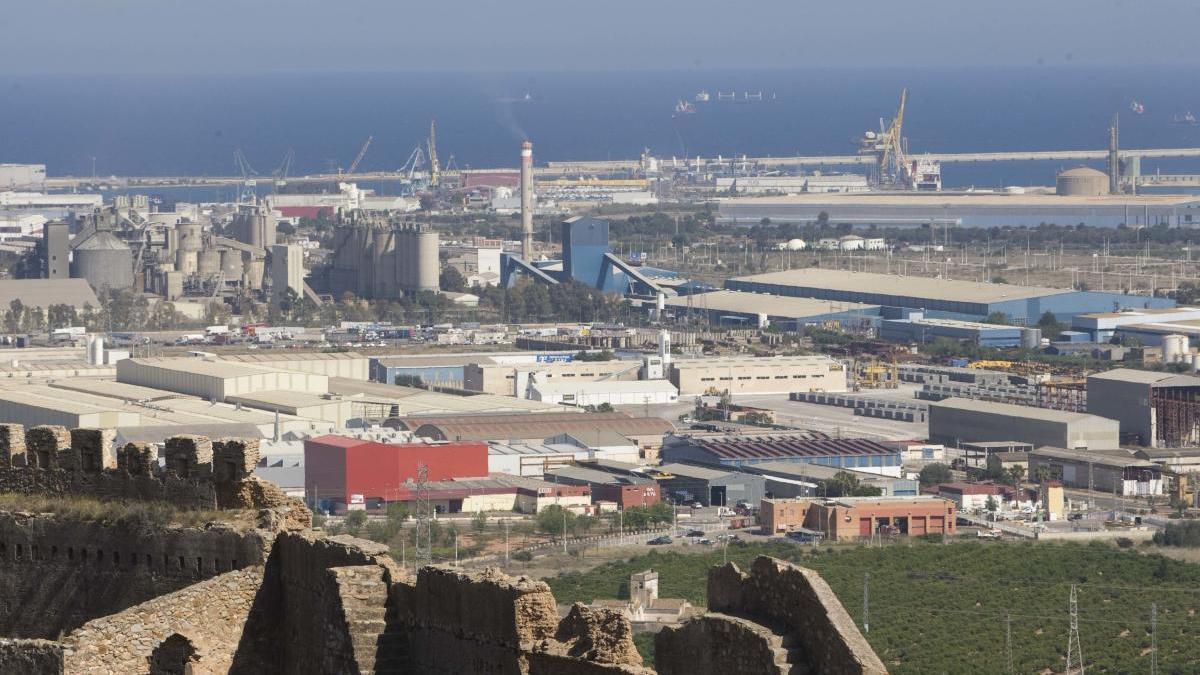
[(57, 573), (200, 625), (717, 644), (30, 657), (199, 473), (796, 604)]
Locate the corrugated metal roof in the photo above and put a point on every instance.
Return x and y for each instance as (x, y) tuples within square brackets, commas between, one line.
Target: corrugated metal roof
[(764, 303), (46, 292), (736, 448), (902, 286), (1093, 457), (1148, 377), (1014, 410)]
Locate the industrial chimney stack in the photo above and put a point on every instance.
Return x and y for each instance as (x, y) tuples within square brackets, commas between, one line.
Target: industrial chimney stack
[(527, 201)]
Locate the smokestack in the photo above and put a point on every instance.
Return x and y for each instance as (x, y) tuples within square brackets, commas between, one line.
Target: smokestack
[(1114, 157), (527, 200)]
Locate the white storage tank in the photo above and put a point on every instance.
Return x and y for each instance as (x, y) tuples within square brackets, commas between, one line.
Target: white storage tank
[(1174, 348)]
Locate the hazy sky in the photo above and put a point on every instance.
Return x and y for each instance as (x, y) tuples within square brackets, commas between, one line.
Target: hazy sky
[(199, 36)]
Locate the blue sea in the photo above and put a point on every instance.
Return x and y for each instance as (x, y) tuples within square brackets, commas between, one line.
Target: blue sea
[(158, 125)]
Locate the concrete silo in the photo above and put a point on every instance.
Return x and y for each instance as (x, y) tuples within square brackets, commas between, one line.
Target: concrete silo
[(103, 260), (208, 263), (1082, 182)]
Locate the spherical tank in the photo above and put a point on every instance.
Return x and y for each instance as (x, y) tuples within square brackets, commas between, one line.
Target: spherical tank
[(427, 261), (104, 260), (795, 245), (231, 264), (208, 263), (1082, 182), (189, 235), (186, 261)]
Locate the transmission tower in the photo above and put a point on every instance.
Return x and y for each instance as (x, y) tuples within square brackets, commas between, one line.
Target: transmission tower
[(1008, 644), (866, 602), (423, 555), (1074, 649)]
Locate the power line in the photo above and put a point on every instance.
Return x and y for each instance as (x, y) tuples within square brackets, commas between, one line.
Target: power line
[(866, 602), (1074, 648), (1153, 638), (1008, 643)]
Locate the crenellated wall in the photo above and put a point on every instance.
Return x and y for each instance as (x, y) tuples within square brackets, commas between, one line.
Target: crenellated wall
[(57, 573)]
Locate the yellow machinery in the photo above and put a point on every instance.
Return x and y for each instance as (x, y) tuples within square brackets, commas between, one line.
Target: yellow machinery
[(876, 375), (991, 365)]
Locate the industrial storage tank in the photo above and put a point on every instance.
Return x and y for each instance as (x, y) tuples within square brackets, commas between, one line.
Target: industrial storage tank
[(1031, 338), (189, 236), (186, 262), (1082, 182), (231, 264), (254, 269), (1174, 348), (428, 270), (796, 245), (104, 260), (208, 263)]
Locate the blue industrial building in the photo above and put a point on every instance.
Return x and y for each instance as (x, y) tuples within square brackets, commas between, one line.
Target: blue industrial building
[(921, 330), (942, 298)]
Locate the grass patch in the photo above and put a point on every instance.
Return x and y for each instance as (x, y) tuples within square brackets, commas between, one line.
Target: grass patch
[(941, 609), (133, 515)]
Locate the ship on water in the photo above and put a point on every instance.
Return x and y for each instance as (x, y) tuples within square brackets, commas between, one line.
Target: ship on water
[(1186, 119), (1137, 107), (683, 107), (702, 96)]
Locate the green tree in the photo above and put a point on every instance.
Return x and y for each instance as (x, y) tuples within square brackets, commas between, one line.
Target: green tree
[(354, 521), (935, 473), (552, 519), (604, 407), (1050, 325), (479, 522), (451, 279), (991, 504)]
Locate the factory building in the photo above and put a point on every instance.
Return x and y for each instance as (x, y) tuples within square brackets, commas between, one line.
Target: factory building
[(344, 471), (817, 183), (254, 225), (851, 518), (506, 379), (1154, 409), (646, 432), (346, 365), (978, 209), (376, 258), (215, 380), (55, 250), (954, 421), (800, 479), (737, 451), (941, 298), (22, 176), (1116, 472), (920, 330), (688, 483), (623, 489), (751, 375), (1102, 326), (533, 459), (612, 392), (761, 310), (448, 370), (46, 292)]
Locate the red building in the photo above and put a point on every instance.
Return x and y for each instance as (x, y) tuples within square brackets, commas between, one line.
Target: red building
[(341, 470)]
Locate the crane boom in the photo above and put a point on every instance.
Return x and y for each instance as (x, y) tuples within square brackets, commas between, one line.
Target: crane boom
[(435, 170), (361, 153)]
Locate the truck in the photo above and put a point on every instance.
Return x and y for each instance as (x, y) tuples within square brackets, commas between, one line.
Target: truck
[(217, 330), (190, 339)]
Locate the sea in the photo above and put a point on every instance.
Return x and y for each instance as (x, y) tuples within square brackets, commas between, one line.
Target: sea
[(192, 125)]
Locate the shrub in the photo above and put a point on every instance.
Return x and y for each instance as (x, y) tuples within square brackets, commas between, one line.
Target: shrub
[(522, 556)]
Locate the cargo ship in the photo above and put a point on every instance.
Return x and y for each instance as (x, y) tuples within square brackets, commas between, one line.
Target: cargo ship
[(1187, 119), (683, 107)]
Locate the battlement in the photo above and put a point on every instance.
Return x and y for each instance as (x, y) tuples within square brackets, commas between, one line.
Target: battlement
[(197, 473)]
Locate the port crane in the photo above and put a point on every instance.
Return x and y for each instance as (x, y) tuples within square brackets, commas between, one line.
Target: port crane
[(888, 147), (413, 164), (435, 171), (358, 158), (247, 194), (281, 173)]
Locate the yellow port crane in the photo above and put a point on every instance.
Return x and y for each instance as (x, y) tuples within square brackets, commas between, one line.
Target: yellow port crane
[(435, 170), (888, 147)]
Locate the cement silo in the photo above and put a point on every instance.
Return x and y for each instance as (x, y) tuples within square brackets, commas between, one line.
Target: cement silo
[(254, 268), (187, 262), (188, 236), (1082, 182), (103, 260), (1174, 348), (231, 264), (208, 263), (428, 271), (254, 225)]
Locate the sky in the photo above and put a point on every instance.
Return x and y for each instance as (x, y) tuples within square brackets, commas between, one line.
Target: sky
[(262, 36)]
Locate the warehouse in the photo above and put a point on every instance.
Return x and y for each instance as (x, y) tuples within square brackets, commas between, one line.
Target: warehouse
[(736, 451), (1159, 410), (447, 370), (46, 292), (1115, 472), (958, 420), (383, 401), (687, 483), (501, 493), (793, 479), (215, 380), (331, 364), (35, 404), (976, 209), (646, 432), (324, 407), (533, 459), (340, 471), (941, 298), (921, 330), (622, 489), (1102, 326), (615, 392), (762, 310), (513, 380), (757, 375), (850, 518)]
